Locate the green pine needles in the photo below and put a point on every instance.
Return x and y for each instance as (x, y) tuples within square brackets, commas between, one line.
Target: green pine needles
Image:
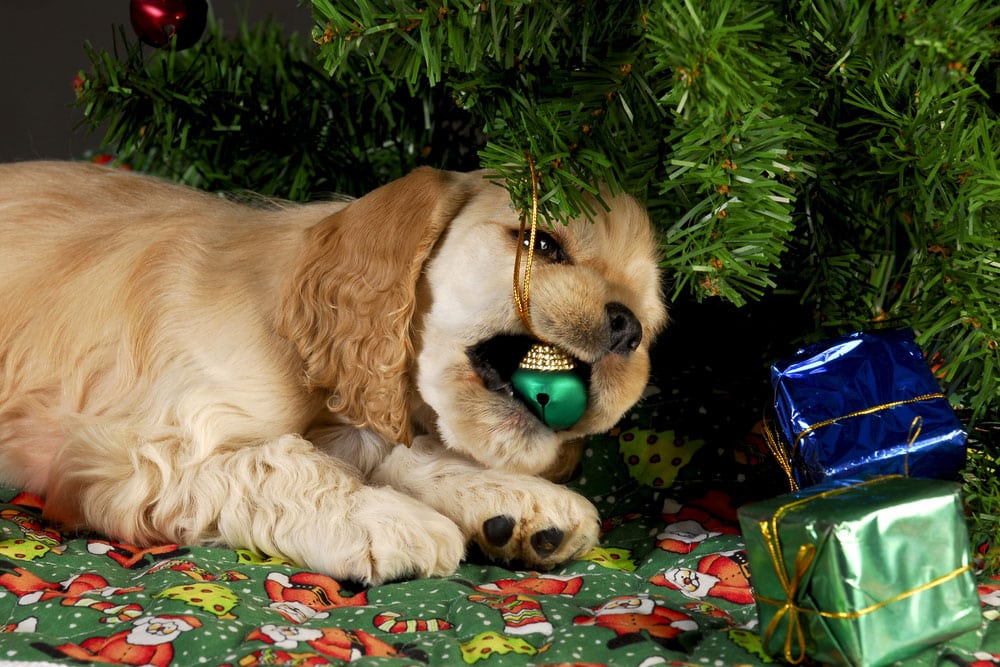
[(254, 112), (844, 152)]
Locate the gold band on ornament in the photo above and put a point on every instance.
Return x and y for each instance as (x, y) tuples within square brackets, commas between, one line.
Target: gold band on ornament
[(547, 358)]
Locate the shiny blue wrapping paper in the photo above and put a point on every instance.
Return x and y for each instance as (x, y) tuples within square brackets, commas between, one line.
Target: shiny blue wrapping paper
[(865, 404)]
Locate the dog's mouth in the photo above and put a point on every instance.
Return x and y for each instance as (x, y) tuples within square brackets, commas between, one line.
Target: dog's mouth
[(497, 359)]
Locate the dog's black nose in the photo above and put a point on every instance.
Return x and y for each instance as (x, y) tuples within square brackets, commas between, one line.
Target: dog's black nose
[(626, 332)]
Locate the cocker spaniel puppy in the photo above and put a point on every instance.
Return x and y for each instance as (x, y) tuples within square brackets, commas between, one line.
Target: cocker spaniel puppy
[(329, 382)]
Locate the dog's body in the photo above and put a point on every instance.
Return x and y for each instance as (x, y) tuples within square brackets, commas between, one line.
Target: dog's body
[(176, 367)]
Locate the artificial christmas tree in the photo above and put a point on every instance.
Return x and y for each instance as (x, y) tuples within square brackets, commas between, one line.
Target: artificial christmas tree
[(838, 158)]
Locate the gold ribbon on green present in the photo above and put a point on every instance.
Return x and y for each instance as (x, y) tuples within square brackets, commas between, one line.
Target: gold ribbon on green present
[(837, 569)]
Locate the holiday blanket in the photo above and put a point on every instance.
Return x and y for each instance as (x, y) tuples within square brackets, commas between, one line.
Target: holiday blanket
[(668, 585)]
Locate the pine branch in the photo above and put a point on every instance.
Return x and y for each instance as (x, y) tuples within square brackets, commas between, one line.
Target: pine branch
[(844, 151), (255, 113), (543, 79)]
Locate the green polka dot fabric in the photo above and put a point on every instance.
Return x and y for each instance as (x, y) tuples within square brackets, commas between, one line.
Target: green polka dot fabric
[(668, 585)]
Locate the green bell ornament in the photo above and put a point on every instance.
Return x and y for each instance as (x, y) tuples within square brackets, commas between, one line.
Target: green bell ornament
[(544, 379), (547, 383)]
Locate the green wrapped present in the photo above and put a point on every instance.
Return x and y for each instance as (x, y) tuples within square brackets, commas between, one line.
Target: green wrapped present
[(861, 573)]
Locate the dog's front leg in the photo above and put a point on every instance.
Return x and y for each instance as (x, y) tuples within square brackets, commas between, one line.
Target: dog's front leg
[(282, 497), (511, 516)]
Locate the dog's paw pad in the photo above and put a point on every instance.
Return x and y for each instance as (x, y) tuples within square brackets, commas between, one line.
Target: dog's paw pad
[(498, 530), (532, 522), (545, 542)]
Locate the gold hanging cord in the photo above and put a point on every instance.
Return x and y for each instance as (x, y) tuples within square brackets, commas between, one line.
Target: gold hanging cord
[(543, 355), (522, 287)]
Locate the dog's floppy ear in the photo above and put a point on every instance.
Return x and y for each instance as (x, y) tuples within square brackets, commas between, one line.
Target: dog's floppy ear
[(349, 305)]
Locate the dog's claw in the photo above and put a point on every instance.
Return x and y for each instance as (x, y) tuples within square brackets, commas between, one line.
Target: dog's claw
[(498, 530), (545, 542)]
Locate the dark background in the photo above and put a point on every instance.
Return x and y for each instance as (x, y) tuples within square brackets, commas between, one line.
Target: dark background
[(42, 50)]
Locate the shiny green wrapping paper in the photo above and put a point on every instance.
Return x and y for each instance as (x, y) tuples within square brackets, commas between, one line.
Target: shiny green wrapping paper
[(861, 573)]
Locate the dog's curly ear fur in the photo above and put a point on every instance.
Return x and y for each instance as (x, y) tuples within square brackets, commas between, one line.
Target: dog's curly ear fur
[(348, 307)]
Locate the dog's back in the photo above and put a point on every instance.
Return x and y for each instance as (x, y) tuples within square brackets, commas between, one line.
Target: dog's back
[(150, 388), (122, 296)]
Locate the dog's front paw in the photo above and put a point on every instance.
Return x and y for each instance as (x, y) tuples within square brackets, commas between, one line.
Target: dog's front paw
[(376, 535), (510, 516), (538, 523), (409, 539)]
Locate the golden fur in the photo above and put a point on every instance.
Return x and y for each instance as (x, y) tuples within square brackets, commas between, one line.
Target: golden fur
[(178, 367)]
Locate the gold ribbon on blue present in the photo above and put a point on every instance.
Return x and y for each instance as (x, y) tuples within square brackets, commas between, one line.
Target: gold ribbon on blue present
[(841, 408), (785, 458)]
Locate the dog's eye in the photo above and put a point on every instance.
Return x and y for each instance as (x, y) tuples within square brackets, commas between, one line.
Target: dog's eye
[(546, 246)]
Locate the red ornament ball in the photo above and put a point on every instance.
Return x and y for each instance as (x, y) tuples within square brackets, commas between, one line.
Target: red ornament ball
[(157, 22)]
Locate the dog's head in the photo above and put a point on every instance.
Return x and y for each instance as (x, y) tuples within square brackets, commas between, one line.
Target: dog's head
[(424, 276)]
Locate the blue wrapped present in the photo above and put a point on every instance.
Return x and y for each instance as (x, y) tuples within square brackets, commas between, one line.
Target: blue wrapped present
[(863, 404)]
